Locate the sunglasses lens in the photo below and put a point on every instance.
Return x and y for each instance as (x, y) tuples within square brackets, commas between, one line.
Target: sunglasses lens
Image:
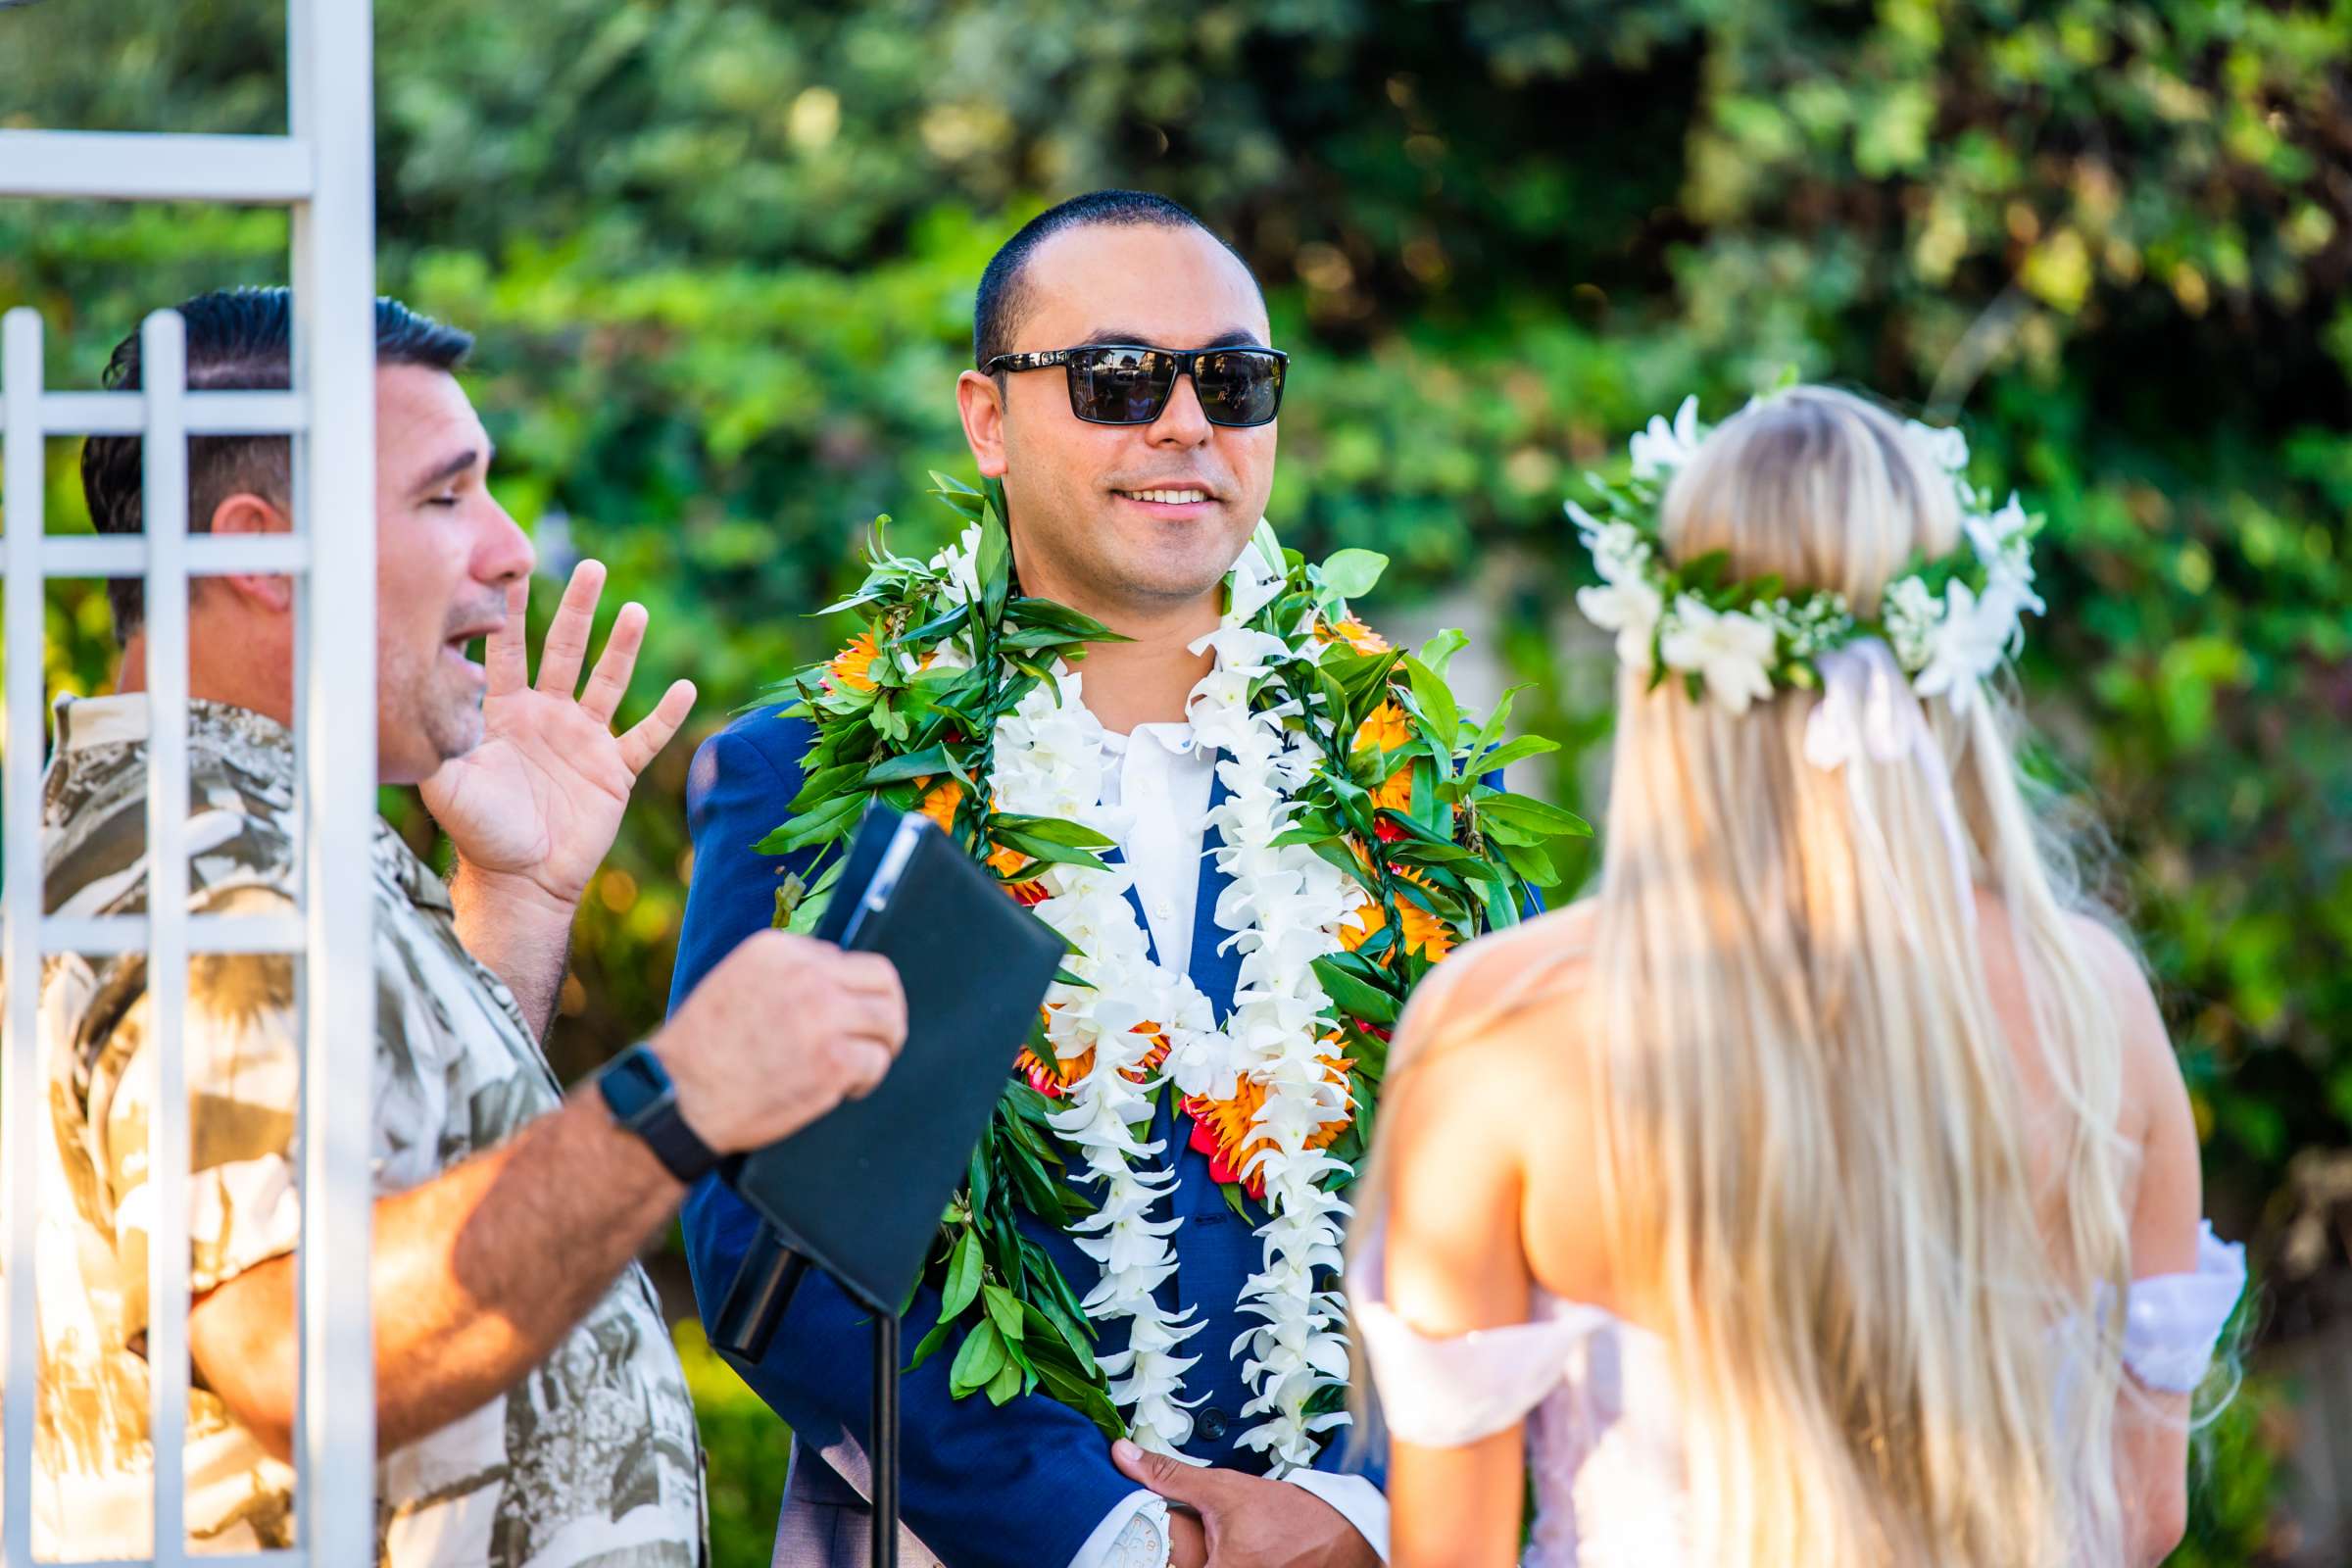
[(1120, 385), (1240, 386)]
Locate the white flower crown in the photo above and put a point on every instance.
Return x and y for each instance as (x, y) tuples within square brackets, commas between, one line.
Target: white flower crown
[(1950, 621)]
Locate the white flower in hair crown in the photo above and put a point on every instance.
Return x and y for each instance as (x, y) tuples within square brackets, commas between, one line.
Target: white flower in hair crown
[(1950, 621)]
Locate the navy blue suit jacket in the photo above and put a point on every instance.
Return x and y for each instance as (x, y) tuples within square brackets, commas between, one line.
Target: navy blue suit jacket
[(1017, 1487)]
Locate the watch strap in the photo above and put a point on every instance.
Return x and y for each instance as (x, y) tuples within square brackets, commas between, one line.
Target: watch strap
[(655, 1120)]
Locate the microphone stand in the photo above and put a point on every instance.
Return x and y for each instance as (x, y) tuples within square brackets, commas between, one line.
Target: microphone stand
[(885, 1548), (746, 1326)]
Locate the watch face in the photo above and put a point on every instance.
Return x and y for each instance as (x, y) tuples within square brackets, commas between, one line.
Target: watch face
[(634, 1083)]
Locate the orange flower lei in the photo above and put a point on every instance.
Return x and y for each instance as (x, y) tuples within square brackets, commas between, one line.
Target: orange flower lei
[(1225, 1130), (1397, 788)]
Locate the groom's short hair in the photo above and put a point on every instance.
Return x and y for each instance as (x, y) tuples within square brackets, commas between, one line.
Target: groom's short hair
[(241, 340), (996, 314)]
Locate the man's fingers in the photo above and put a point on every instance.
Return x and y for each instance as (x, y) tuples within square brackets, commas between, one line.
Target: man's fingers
[(869, 1064), (610, 680), (868, 973), (567, 645), (1168, 1476), (504, 659), (882, 1019), (646, 738)]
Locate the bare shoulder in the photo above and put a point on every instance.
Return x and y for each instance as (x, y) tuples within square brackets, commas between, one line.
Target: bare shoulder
[(1479, 996), (2149, 1065), (1552, 941), (1481, 1043), (2111, 956), (2168, 1199), (1473, 1081)]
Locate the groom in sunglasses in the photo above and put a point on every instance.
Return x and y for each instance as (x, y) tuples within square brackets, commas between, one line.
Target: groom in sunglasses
[(1126, 394)]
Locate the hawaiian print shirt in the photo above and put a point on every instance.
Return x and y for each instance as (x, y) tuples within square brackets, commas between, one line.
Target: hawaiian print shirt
[(591, 1458)]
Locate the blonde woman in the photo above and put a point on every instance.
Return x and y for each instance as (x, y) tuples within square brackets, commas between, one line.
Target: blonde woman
[(1822, 1191)]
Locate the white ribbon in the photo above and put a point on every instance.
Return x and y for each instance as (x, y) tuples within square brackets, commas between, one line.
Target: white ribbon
[(1867, 710)]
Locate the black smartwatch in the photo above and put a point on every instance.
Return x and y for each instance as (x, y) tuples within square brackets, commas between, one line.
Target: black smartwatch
[(643, 1101)]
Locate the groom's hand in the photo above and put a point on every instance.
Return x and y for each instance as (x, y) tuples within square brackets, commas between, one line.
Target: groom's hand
[(1248, 1522), (532, 810)]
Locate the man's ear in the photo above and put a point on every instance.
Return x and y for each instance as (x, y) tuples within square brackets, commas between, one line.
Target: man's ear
[(247, 514), (981, 402)]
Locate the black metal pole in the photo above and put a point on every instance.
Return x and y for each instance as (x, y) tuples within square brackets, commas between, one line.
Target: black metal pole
[(886, 1441)]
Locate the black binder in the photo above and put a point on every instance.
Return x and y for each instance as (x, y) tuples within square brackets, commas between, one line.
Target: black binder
[(859, 1191)]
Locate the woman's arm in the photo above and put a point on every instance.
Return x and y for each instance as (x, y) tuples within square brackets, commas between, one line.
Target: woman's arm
[(1453, 1175), (2151, 1427)]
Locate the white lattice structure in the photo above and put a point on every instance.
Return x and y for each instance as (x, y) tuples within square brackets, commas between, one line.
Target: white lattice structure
[(324, 171)]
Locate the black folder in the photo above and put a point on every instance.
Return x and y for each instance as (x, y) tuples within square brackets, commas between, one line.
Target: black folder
[(858, 1191)]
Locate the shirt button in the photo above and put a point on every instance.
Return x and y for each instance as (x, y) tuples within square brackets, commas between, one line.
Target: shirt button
[(1212, 1424)]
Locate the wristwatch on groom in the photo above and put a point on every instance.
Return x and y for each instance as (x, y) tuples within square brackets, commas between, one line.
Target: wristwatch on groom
[(643, 1101)]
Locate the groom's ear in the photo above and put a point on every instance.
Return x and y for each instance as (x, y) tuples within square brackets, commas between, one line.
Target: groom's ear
[(981, 401)]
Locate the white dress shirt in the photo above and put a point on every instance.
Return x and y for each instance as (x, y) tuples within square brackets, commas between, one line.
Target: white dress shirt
[(1165, 777)]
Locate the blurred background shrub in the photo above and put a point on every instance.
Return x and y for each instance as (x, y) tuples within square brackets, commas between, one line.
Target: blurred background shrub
[(720, 256)]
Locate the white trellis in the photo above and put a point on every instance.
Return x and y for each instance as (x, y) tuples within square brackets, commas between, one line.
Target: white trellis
[(324, 171)]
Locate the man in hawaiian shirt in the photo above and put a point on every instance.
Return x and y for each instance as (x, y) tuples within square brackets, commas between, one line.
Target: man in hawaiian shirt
[(530, 1411)]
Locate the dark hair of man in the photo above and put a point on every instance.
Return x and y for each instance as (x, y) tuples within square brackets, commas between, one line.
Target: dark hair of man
[(239, 339), (996, 314)]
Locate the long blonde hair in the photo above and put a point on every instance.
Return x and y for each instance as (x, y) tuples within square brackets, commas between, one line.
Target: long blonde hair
[(1814, 1168)]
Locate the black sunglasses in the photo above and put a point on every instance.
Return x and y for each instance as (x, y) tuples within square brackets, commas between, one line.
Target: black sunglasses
[(1127, 383)]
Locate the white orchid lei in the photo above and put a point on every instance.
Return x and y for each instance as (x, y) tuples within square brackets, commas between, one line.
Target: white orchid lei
[(1360, 847), (1951, 621)]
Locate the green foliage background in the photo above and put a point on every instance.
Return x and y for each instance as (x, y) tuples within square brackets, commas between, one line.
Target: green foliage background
[(720, 256)]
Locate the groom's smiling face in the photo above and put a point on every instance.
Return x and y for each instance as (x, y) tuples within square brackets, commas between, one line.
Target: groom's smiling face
[(1143, 517)]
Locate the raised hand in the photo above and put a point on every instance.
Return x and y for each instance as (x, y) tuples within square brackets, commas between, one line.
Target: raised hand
[(535, 806), (1248, 1522)]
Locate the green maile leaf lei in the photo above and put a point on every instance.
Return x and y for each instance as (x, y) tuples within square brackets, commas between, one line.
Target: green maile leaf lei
[(908, 714)]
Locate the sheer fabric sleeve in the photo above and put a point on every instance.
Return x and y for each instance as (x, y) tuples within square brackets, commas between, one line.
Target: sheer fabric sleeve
[(1448, 1393), (2173, 1322), (1445, 1393)]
